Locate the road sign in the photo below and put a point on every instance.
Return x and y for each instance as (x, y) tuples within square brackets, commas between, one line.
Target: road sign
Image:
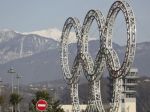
[(41, 105)]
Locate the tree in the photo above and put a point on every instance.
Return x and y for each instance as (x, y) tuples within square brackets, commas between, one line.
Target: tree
[(42, 95), (1, 100), (53, 106), (14, 100)]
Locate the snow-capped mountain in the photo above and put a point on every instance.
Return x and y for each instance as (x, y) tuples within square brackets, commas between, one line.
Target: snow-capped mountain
[(6, 34), (55, 34), (35, 55), (15, 45), (46, 64)]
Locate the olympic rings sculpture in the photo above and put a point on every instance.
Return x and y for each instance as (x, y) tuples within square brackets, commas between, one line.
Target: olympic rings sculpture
[(106, 56)]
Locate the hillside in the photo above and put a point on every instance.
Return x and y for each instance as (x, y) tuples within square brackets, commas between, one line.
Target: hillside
[(37, 58)]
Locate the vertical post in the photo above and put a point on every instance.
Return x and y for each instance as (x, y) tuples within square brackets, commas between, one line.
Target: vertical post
[(12, 72), (0, 93), (18, 77), (12, 83)]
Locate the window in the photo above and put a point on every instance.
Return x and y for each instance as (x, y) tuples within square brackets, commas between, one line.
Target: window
[(131, 81), (132, 88), (130, 95)]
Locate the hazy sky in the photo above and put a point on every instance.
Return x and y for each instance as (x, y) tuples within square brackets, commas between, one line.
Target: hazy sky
[(31, 15)]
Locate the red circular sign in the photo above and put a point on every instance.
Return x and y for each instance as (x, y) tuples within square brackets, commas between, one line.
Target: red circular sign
[(41, 105)]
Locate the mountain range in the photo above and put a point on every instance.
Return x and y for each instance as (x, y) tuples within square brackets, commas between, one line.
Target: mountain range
[(37, 58)]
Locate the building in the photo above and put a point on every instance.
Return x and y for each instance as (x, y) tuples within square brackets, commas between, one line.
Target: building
[(128, 98), (68, 108)]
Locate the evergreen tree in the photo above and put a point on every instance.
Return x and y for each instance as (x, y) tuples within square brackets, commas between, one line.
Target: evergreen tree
[(53, 106), (1, 100)]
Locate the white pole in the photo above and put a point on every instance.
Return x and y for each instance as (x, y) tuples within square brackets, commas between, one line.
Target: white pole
[(18, 94), (12, 71), (18, 77), (12, 83), (0, 93)]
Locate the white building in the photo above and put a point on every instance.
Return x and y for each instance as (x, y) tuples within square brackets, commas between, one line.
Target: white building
[(128, 101), (68, 108)]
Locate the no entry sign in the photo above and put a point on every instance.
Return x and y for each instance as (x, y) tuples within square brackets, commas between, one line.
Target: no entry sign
[(41, 105)]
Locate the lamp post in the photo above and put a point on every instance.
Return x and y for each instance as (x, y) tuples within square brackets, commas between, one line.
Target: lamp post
[(18, 77), (0, 92), (12, 72)]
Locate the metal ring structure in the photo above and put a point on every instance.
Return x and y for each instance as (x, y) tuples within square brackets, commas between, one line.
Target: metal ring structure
[(93, 70), (69, 75), (131, 43), (95, 102)]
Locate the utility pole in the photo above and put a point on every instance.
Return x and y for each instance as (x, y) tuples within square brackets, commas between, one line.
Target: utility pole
[(12, 72)]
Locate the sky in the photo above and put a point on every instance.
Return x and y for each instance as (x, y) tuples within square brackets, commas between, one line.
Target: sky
[(33, 15)]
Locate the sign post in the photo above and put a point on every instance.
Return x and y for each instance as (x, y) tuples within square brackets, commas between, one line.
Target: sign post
[(41, 105)]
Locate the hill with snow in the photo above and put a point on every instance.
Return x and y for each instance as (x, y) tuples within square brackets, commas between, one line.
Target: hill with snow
[(55, 34), (35, 56)]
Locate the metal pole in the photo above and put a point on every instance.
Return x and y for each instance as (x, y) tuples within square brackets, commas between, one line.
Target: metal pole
[(12, 71), (18, 77), (12, 83), (0, 93), (18, 90), (18, 82)]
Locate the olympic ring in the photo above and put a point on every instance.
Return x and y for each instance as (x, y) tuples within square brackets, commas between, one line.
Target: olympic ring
[(70, 22), (131, 43), (106, 55)]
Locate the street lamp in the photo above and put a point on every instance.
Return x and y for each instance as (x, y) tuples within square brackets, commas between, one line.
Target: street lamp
[(12, 72), (18, 77), (0, 91)]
